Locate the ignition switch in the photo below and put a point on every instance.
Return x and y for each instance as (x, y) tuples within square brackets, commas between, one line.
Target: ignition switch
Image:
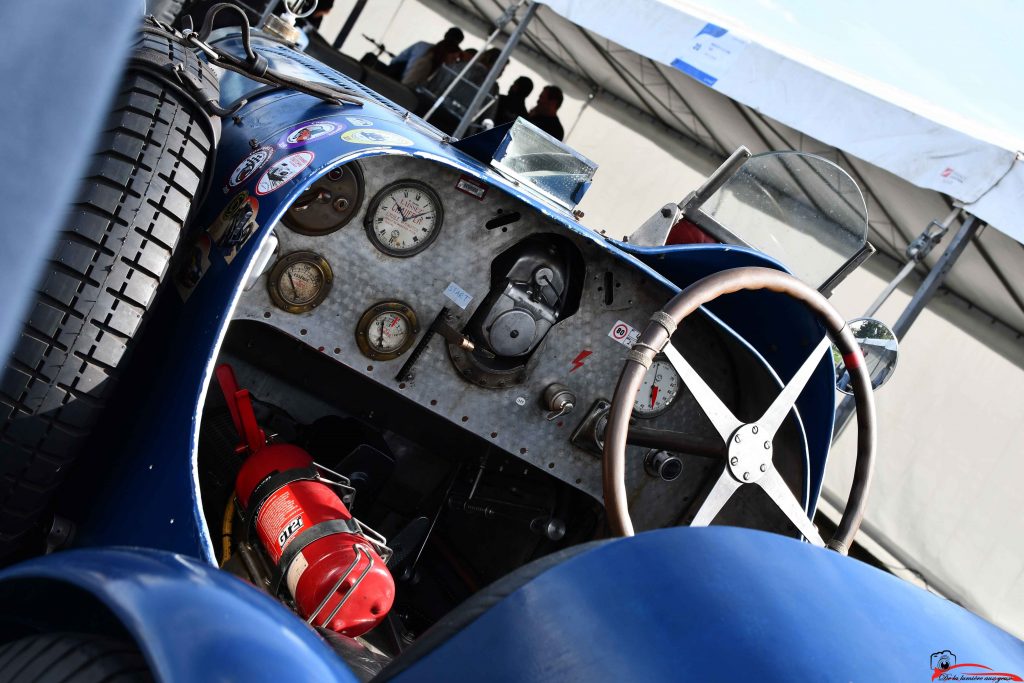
[(558, 400)]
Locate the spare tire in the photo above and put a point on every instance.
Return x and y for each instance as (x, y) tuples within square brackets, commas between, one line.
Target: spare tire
[(110, 263)]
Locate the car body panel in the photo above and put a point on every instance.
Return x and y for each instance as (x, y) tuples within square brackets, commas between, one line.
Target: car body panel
[(754, 607), (193, 622)]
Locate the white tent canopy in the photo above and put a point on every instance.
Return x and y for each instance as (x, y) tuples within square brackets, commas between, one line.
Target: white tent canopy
[(951, 157)]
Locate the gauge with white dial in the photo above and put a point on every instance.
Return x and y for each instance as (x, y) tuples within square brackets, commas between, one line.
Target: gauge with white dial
[(404, 218), (659, 389), (300, 281), (386, 330)]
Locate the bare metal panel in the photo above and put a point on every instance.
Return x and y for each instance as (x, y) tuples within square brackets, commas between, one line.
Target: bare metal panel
[(512, 417)]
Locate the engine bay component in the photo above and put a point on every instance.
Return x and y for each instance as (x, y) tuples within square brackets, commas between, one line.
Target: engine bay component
[(659, 389), (300, 281), (387, 330), (404, 218), (329, 204), (333, 566), (534, 284)]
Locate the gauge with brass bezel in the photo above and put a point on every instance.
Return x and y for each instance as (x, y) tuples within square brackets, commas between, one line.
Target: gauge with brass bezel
[(300, 281), (386, 330), (329, 203), (404, 218), (659, 389)]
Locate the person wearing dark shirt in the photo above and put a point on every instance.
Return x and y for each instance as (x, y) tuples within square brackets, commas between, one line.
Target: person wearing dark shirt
[(544, 114), (513, 105), (419, 60)]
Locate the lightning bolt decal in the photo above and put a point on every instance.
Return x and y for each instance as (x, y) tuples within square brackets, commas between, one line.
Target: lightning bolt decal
[(577, 362)]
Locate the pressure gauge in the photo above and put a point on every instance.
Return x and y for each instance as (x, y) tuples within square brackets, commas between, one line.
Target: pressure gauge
[(300, 281), (659, 389), (386, 330), (329, 204), (404, 218)]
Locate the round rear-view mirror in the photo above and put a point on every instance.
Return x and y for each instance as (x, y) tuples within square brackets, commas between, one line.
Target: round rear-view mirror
[(880, 347)]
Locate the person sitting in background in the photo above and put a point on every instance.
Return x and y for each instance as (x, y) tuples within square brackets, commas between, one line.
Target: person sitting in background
[(513, 104), (400, 66), (544, 114), (463, 57)]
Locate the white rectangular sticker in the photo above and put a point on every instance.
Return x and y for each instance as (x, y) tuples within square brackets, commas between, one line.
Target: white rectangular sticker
[(357, 121), (458, 295), (710, 54), (624, 333)]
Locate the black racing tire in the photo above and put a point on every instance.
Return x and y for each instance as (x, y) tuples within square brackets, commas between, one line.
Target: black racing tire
[(102, 279), (72, 658)]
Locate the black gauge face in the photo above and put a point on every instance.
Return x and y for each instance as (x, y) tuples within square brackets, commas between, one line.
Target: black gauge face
[(329, 203), (404, 218), (386, 330), (659, 389), (300, 281)]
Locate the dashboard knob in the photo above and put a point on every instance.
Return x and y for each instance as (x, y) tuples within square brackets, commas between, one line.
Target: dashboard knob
[(558, 399)]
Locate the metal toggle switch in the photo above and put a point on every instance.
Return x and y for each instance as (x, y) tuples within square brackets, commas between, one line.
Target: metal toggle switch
[(558, 400)]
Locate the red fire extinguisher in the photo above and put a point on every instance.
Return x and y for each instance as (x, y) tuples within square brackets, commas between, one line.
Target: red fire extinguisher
[(328, 562)]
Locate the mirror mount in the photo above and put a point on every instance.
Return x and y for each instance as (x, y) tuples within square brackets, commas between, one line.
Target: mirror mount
[(878, 345)]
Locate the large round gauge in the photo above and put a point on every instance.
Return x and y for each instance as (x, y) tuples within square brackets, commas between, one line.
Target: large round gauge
[(659, 389), (300, 281), (386, 330), (404, 218), (329, 203)]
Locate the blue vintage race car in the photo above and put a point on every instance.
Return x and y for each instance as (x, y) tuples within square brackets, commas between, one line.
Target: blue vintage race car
[(308, 390)]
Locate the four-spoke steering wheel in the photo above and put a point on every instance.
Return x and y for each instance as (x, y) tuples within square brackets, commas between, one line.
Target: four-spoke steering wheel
[(749, 446)]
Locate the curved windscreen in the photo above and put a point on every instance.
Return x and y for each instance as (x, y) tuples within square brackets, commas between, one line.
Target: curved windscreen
[(802, 210)]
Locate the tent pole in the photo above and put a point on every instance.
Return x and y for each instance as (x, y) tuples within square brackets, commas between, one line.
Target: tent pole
[(916, 252), (473, 109), (357, 9), (936, 276)]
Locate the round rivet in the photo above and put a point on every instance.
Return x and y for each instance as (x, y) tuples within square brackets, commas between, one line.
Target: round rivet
[(736, 438), (754, 429), (735, 461), (767, 445), (764, 468), (746, 476)]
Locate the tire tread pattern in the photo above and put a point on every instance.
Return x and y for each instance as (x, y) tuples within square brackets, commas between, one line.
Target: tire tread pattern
[(71, 658), (103, 277)]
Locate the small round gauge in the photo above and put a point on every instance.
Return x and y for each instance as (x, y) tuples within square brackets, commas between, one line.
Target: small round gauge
[(329, 203), (659, 389), (404, 218), (386, 330), (300, 281)]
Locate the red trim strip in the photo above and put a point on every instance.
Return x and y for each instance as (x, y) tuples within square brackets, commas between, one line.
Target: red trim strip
[(853, 360)]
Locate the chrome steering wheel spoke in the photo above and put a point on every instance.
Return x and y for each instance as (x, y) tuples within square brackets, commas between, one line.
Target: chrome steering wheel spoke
[(784, 402), (772, 484), (721, 417)]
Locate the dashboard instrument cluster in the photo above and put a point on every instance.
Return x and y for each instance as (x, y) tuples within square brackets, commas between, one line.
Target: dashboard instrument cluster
[(523, 310)]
